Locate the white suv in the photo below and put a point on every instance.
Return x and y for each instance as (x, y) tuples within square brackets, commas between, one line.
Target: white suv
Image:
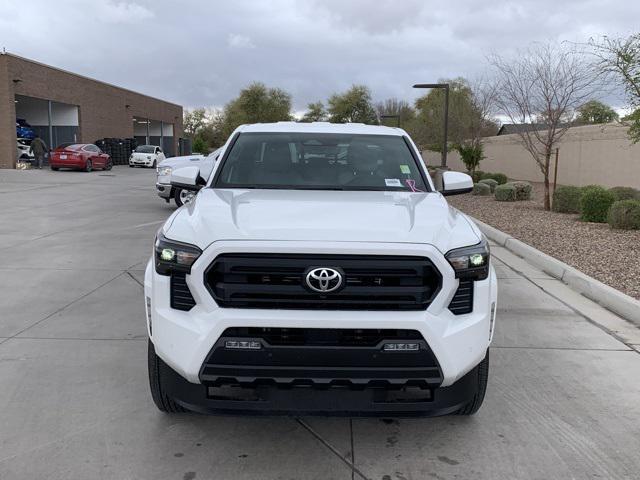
[(318, 271)]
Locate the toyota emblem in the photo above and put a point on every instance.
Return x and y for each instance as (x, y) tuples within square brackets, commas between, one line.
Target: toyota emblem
[(324, 280)]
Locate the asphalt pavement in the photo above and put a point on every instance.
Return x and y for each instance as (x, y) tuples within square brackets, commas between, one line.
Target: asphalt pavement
[(563, 398)]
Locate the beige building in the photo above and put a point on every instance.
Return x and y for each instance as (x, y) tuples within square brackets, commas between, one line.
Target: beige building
[(62, 106), (593, 154)]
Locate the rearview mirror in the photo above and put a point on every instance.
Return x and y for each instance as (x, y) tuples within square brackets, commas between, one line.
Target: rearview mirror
[(456, 183), (186, 178)]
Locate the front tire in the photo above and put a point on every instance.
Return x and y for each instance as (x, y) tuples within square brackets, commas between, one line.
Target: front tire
[(483, 376), (155, 365), (109, 165), (88, 166), (182, 196)]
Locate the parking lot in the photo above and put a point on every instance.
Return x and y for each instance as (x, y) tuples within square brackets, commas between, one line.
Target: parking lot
[(563, 398)]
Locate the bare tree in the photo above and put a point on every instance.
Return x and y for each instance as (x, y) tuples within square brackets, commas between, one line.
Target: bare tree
[(619, 59), (541, 89)]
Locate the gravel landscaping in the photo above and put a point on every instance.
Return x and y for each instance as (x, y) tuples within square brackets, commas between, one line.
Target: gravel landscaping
[(611, 256)]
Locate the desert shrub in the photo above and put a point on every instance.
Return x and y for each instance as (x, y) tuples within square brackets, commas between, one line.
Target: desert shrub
[(523, 190), (625, 193), (595, 204), (491, 182), (625, 215), (501, 178), (505, 193), (481, 189), (566, 199), (476, 175)]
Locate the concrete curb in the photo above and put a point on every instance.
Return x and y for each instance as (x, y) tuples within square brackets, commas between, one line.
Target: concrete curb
[(610, 298)]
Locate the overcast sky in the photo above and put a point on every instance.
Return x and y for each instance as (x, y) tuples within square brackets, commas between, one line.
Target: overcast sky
[(202, 53)]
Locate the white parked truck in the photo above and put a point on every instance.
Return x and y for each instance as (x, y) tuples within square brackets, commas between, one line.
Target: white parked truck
[(317, 271)]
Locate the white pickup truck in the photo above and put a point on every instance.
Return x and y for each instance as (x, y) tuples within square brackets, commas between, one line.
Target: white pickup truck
[(318, 271)]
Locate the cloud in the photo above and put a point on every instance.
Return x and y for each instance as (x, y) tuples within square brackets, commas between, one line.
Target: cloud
[(239, 41), (123, 12), (201, 53)]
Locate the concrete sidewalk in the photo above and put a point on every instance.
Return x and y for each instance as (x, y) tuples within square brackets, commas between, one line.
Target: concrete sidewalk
[(563, 398)]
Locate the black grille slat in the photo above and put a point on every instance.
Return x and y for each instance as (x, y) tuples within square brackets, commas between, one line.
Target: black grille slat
[(462, 301), (181, 298), (372, 282)]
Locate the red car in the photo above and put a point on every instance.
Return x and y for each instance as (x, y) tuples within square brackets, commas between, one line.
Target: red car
[(79, 156)]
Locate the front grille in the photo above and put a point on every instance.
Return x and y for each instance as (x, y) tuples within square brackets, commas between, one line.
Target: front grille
[(371, 282), (181, 298), (321, 358), (462, 301)]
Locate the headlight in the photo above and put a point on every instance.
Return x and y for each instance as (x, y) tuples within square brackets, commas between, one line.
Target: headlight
[(470, 262), (174, 256), (164, 170)]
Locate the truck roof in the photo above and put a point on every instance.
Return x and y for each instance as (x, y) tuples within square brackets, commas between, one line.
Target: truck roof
[(322, 127)]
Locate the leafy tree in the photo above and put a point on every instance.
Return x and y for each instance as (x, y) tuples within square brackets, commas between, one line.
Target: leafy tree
[(470, 108), (542, 88), (194, 121), (315, 113), (354, 105), (256, 104), (594, 112), (471, 155), (199, 146), (620, 58)]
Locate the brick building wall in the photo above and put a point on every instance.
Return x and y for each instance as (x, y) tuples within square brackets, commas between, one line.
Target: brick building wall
[(104, 110)]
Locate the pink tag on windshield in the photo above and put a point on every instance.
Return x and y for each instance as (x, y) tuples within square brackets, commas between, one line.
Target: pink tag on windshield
[(412, 185)]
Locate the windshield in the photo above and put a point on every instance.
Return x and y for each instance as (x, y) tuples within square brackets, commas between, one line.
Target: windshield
[(324, 161), (145, 149)]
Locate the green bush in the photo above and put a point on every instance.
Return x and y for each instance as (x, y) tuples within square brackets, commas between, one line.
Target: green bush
[(501, 178), (491, 182), (477, 176), (505, 193), (595, 204), (625, 193), (523, 190), (481, 189), (566, 199), (625, 215)]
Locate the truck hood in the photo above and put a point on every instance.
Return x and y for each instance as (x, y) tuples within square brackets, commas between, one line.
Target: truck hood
[(312, 215)]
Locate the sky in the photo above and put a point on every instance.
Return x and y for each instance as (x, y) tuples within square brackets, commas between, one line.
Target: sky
[(201, 53)]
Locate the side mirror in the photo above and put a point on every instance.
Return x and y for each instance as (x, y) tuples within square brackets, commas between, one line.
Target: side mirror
[(456, 183), (186, 178)]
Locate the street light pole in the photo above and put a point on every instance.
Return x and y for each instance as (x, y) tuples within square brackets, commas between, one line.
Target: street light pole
[(397, 117), (443, 162)]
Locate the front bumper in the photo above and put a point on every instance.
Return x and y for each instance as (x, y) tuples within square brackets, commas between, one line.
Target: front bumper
[(164, 190), (304, 400)]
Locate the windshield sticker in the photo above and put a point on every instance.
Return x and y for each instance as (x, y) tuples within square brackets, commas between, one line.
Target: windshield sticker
[(405, 169), (392, 182), (412, 185)]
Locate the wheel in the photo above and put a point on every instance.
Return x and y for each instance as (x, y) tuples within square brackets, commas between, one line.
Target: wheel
[(182, 196), (155, 365), (54, 168), (153, 165), (109, 165), (88, 166), (483, 376), (130, 166)]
